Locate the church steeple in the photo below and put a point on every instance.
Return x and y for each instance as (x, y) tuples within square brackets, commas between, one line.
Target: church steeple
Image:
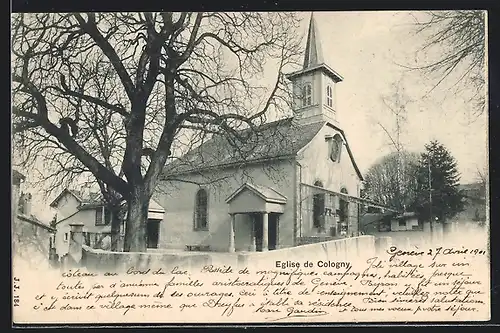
[(314, 85), (314, 54)]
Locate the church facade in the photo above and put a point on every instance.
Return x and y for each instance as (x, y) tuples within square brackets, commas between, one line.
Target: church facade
[(298, 183)]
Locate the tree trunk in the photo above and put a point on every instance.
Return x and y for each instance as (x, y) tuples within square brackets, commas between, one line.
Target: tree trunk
[(116, 221), (135, 231)]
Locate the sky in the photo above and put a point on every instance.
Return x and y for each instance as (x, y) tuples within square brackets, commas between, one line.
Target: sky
[(366, 48)]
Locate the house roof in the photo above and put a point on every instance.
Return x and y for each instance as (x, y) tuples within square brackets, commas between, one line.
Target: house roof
[(34, 220), (406, 214), (373, 218), (17, 176), (94, 200), (282, 138), (470, 186), (474, 191), (91, 200), (74, 193), (266, 193)]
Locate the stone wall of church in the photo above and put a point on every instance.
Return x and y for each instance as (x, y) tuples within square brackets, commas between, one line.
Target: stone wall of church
[(178, 199), (316, 165)]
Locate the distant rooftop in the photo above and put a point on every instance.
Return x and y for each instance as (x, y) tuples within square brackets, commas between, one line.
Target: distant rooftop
[(95, 199), (473, 190), (34, 220)]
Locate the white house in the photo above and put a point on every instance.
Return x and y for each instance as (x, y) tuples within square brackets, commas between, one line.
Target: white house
[(90, 210), (373, 223), (406, 222), (32, 239)]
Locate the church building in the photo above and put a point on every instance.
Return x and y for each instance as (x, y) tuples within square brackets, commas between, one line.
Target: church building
[(297, 184)]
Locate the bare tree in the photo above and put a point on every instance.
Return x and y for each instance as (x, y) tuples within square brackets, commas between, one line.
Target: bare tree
[(99, 133), (396, 103), (118, 94), (392, 180), (483, 179), (454, 48)]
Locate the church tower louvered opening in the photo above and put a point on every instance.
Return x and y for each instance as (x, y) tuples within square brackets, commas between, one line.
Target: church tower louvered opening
[(314, 86)]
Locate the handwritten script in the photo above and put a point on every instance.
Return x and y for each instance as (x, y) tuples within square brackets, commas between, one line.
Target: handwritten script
[(430, 284)]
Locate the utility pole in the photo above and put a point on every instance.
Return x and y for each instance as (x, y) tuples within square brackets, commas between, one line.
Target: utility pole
[(430, 193)]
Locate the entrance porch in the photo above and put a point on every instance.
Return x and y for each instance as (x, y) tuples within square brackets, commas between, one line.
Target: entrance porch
[(263, 205)]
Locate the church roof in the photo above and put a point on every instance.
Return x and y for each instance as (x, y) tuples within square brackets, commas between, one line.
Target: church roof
[(282, 138), (313, 57), (349, 151), (314, 54), (278, 139)]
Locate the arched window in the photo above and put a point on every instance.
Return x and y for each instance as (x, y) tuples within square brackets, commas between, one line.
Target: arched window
[(307, 94), (318, 207), (201, 210), (329, 96)]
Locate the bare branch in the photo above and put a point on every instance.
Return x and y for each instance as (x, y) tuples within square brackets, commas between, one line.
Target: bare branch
[(453, 48), (178, 88)]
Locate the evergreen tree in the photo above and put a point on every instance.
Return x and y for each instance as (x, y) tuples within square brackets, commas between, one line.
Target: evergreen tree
[(446, 199)]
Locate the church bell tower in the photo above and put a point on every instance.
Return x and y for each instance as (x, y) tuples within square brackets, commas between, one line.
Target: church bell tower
[(314, 86)]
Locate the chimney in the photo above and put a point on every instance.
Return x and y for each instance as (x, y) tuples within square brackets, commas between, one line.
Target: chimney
[(17, 179), (15, 199), (26, 204), (76, 244), (53, 222)]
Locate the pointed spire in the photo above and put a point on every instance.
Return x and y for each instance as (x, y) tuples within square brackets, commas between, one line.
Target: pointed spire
[(314, 55)]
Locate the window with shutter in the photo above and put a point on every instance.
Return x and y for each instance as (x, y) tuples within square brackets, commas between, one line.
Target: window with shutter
[(307, 95), (329, 96), (201, 210)]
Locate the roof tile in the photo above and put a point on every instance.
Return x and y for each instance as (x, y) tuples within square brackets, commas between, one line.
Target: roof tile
[(284, 137)]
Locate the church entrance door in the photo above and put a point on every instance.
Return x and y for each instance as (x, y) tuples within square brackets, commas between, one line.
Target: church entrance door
[(153, 231), (272, 231)]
